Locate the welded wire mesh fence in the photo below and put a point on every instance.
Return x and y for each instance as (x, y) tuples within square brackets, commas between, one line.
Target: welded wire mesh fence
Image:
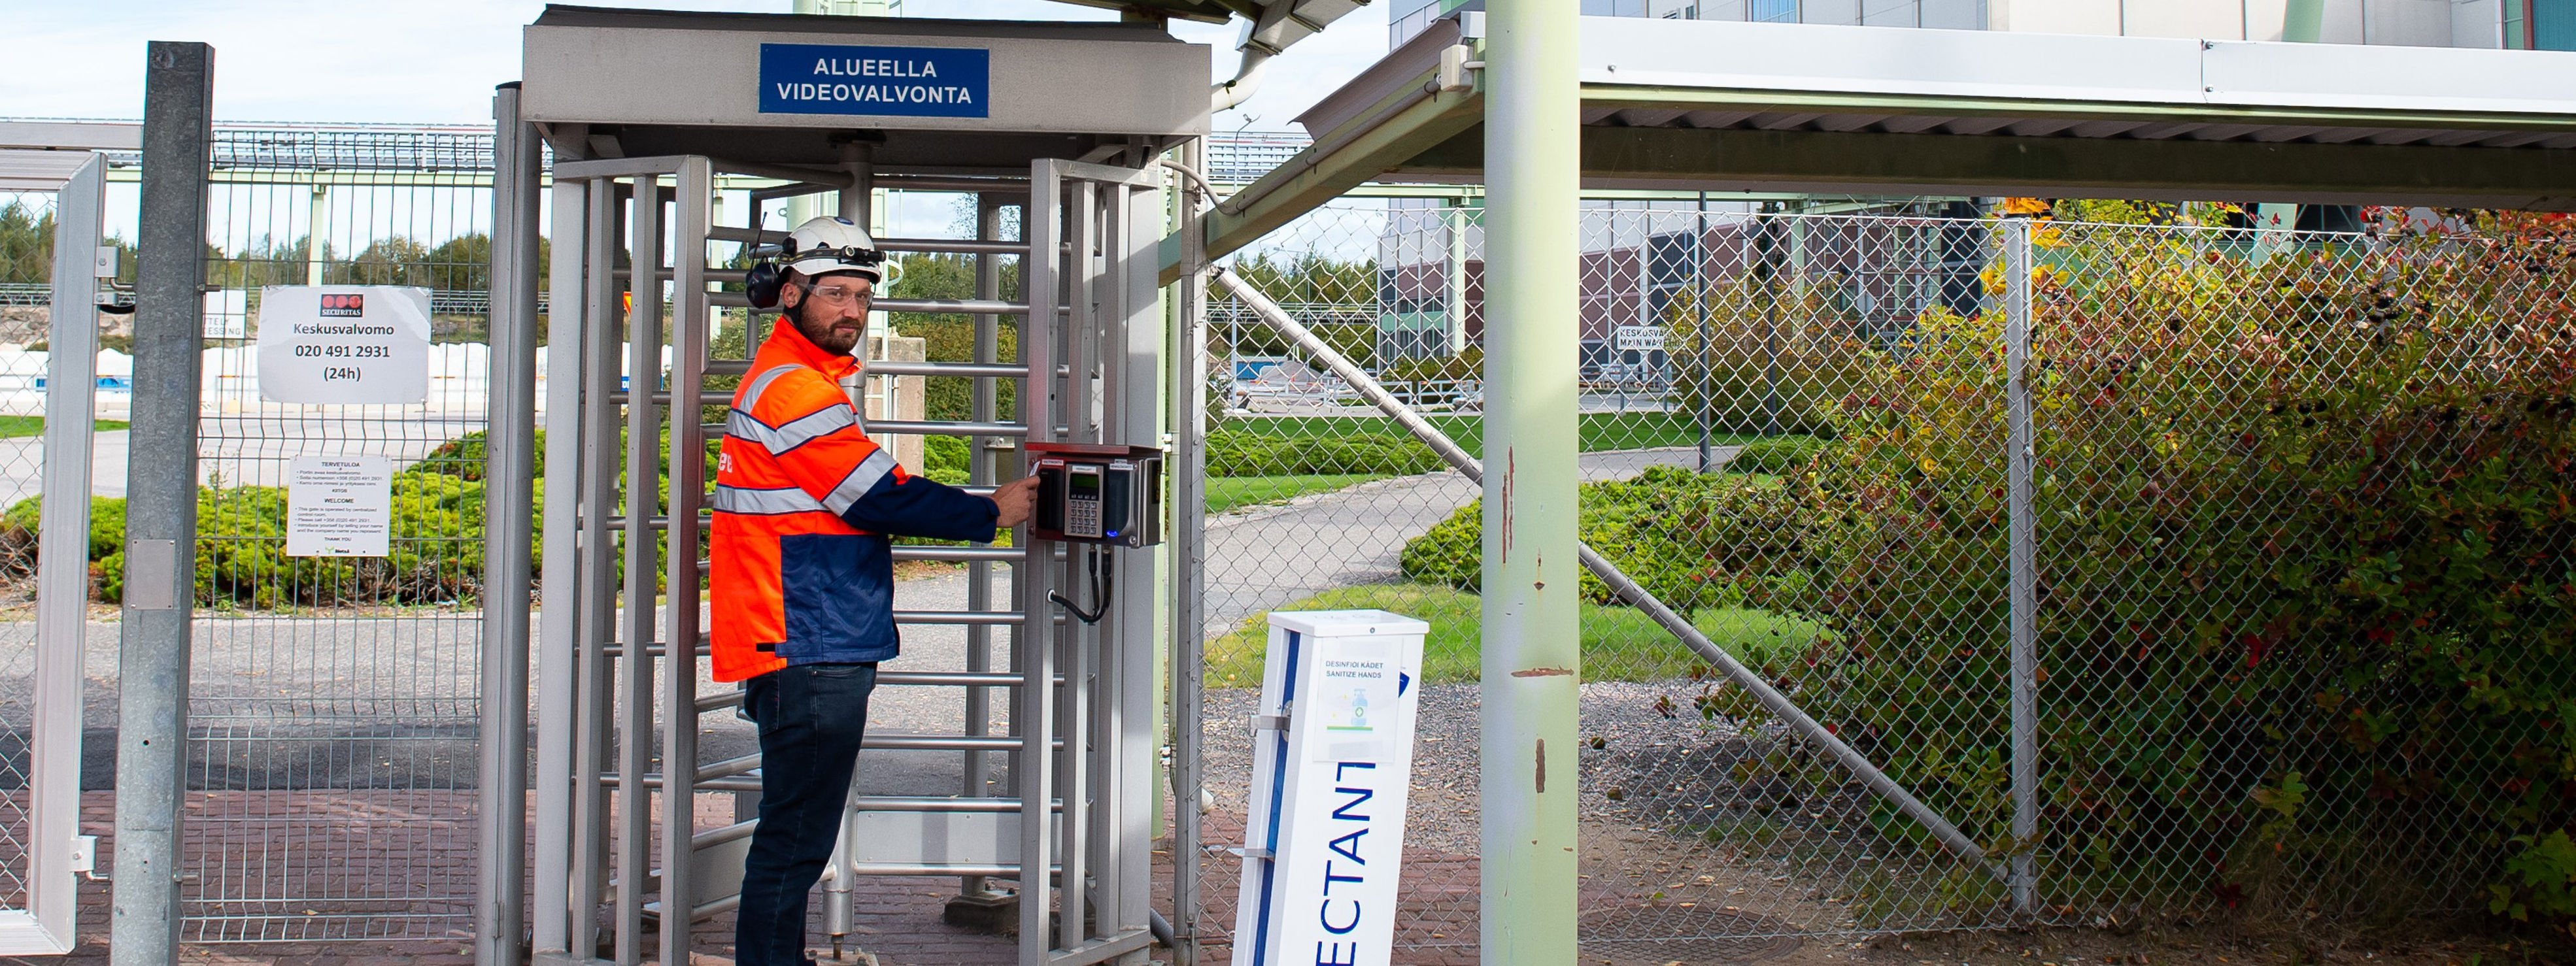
[(333, 706), (2298, 537)]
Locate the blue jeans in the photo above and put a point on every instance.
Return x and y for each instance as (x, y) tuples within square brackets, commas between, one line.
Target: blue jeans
[(811, 717)]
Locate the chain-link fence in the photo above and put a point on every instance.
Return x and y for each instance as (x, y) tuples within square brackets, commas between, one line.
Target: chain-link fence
[(2290, 596), (333, 701)]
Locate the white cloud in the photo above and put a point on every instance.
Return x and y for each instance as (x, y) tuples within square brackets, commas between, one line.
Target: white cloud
[(309, 60)]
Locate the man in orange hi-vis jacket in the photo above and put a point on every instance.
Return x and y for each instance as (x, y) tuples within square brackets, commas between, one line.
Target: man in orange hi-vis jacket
[(803, 581)]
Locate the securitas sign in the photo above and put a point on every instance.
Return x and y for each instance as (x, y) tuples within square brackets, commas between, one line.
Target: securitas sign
[(885, 81)]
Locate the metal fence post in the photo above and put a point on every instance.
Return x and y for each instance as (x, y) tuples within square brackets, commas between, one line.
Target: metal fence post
[(161, 503), (1529, 627), (2024, 607), (509, 470), (1189, 549)]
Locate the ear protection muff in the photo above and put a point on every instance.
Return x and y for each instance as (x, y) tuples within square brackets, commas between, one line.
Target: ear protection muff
[(762, 283)]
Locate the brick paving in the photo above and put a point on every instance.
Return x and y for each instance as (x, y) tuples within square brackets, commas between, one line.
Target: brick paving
[(379, 852)]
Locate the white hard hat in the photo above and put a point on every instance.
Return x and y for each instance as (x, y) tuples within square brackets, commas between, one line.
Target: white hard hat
[(833, 244)]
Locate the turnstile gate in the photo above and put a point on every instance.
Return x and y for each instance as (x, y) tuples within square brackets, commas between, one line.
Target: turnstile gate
[(638, 834), (625, 577)]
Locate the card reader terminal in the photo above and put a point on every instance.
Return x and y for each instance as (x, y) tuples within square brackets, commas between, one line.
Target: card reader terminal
[(1111, 495)]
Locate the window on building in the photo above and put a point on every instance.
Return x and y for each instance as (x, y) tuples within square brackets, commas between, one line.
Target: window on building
[(1773, 11), (2552, 24)]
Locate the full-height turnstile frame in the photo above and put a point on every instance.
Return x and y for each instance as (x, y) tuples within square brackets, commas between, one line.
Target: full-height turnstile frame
[(1084, 701)]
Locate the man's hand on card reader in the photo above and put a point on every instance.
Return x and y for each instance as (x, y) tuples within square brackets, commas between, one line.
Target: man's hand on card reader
[(1014, 499)]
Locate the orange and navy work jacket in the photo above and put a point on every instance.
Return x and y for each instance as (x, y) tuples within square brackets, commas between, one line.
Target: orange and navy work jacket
[(805, 503)]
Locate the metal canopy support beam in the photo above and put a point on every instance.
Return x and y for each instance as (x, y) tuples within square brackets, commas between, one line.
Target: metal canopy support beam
[(2180, 170), (1530, 624), (161, 503), (1413, 123)]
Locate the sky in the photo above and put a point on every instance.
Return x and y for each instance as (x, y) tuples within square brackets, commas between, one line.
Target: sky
[(437, 61)]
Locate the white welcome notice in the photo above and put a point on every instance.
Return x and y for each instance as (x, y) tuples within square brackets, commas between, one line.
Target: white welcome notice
[(1333, 760), (339, 506), (347, 345)]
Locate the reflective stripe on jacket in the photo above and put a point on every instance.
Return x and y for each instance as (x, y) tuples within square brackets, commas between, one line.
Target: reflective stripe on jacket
[(803, 570)]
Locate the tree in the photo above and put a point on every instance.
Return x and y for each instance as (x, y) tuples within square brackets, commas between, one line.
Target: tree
[(26, 244), (392, 261)]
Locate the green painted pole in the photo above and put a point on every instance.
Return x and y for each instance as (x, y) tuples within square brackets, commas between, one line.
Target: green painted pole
[(1531, 561)]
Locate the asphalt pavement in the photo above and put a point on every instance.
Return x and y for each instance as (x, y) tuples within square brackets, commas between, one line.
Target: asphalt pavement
[(388, 701), (240, 450)]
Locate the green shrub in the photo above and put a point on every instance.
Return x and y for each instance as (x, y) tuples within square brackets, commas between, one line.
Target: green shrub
[(1756, 357), (106, 523), (1777, 455), (2306, 622), (944, 458), (1235, 453), (436, 551), (1693, 540), (464, 457)]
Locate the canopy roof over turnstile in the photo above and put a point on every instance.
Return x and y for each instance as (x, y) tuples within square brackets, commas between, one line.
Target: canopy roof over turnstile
[(1724, 106), (630, 83)]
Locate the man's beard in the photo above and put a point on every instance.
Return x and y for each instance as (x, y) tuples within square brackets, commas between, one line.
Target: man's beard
[(823, 335)]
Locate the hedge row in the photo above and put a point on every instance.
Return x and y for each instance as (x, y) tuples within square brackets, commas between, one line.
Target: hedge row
[(2307, 572)]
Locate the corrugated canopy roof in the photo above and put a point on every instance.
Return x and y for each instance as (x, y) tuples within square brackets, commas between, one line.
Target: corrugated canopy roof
[(1722, 106), (1276, 24)]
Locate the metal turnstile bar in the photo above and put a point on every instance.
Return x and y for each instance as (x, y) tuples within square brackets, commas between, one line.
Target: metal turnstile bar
[(654, 650), (943, 428), (961, 554), (956, 679), (731, 766), (945, 306), (952, 246), (877, 367), (915, 869), (966, 306), (657, 522), (946, 743), (960, 617), (706, 397), (950, 679)]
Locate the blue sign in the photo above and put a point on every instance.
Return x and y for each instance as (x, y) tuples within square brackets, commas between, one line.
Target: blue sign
[(886, 81)]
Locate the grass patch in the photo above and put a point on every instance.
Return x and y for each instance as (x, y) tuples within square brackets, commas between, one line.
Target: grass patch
[(1600, 431), (12, 426), (1227, 493), (1619, 643)]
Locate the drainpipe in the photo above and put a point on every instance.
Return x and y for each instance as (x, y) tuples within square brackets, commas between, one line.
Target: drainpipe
[(1531, 576), (1247, 79)]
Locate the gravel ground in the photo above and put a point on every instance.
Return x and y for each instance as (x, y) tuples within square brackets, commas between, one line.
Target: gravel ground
[(1653, 789), (1660, 767)]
